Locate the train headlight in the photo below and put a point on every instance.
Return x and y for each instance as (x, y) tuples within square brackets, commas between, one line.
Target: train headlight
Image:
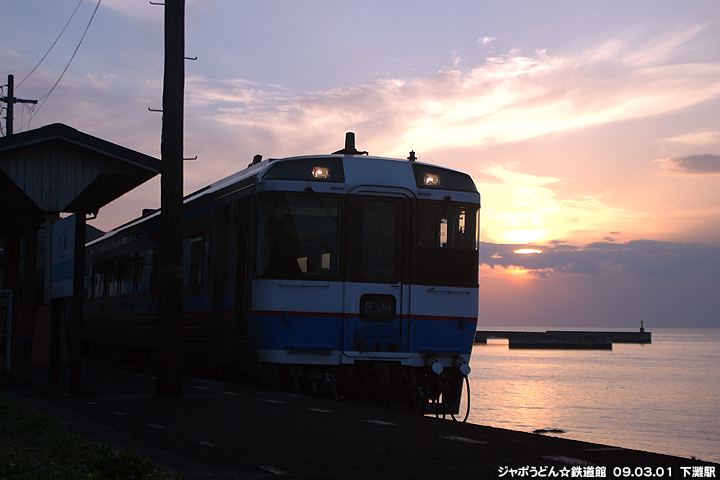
[(431, 180), (321, 173)]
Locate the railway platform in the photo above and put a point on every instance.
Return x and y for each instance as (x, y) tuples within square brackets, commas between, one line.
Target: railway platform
[(220, 430)]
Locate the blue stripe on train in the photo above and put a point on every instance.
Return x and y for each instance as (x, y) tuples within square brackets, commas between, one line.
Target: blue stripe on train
[(276, 330)]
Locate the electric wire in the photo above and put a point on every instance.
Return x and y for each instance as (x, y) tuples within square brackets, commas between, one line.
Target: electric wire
[(51, 46), (44, 98)]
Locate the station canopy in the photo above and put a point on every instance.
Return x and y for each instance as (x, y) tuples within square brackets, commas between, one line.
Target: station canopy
[(57, 168)]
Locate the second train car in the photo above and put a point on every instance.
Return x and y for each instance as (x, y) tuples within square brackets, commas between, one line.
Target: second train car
[(344, 272)]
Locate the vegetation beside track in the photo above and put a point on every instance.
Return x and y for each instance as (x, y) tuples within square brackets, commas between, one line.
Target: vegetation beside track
[(35, 445)]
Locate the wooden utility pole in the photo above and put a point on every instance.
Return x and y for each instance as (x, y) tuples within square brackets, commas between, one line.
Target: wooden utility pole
[(10, 100), (169, 378)]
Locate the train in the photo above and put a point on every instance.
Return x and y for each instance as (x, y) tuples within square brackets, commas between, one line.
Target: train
[(341, 274)]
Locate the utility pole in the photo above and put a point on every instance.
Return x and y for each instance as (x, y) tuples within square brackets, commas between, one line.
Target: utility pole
[(10, 100), (169, 378)]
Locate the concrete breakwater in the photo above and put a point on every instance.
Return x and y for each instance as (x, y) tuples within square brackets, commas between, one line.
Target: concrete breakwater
[(568, 339)]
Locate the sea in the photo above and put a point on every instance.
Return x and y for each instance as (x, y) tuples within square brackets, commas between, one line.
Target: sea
[(662, 397)]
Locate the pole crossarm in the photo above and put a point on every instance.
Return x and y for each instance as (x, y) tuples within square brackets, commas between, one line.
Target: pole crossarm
[(11, 100)]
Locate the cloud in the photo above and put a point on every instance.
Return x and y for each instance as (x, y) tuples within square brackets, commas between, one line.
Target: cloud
[(604, 284), (509, 98), (707, 164), (670, 47), (643, 258), (457, 59), (9, 52), (136, 10), (524, 208), (486, 40), (701, 137)]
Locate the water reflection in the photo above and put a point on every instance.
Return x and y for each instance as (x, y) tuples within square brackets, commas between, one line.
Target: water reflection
[(661, 397)]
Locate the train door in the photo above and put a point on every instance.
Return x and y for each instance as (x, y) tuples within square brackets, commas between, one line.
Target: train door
[(376, 299)]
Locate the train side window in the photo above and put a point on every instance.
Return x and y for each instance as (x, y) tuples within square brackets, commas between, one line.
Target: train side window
[(112, 281), (145, 270), (194, 256), (88, 282), (127, 277), (98, 285), (107, 276)]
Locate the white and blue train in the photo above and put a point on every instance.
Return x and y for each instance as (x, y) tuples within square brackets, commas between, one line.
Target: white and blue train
[(346, 272)]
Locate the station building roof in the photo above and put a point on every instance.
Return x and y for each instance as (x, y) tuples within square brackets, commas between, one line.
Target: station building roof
[(57, 168)]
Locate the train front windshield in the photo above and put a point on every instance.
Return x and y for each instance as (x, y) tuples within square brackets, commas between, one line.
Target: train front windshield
[(300, 236)]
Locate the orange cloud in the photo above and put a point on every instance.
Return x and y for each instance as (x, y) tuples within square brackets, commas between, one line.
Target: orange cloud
[(522, 208)]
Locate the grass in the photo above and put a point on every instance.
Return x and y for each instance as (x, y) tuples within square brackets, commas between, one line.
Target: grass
[(35, 445), (14, 379)]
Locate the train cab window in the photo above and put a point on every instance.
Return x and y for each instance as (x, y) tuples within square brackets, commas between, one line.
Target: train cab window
[(441, 225), (298, 236), (447, 236)]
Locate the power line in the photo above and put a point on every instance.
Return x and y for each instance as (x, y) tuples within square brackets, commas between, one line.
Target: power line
[(44, 98), (53, 45)]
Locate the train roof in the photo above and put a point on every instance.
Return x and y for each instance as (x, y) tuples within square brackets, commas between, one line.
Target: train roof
[(366, 170), (341, 172)]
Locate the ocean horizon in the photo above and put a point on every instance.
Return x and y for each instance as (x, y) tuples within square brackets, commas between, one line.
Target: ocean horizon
[(662, 397)]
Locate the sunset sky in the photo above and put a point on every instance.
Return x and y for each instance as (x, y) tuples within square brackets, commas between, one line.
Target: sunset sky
[(592, 129)]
